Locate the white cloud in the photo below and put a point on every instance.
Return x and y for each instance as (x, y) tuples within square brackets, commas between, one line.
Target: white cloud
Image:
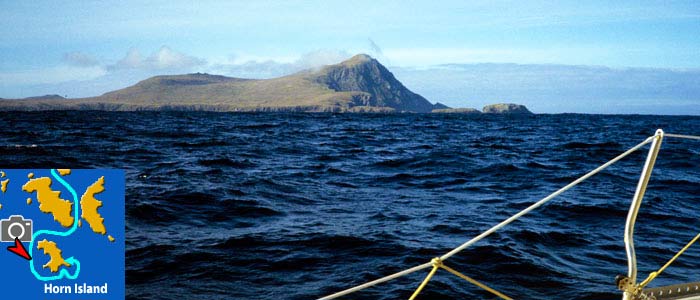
[(165, 58), (320, 58), (259, 67), (82, 67), (132, 60)]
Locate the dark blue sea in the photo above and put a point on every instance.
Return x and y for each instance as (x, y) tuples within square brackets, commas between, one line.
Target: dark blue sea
[(297, 206)]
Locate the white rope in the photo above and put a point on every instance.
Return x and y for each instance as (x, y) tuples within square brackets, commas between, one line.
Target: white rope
[(544, 200), (494, 228), (682, 136)]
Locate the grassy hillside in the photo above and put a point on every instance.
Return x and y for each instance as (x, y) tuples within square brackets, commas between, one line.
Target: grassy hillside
[(360, 84)]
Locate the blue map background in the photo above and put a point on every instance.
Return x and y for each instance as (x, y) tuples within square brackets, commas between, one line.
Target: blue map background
[(101, 261)]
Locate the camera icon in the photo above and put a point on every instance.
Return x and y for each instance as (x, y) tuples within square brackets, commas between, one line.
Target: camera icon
[(16, 227)]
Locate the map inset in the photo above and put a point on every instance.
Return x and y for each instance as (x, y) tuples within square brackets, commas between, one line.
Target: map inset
[(64, 232)]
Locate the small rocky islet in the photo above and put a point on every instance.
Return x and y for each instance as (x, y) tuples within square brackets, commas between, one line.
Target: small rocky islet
[(499, 108)]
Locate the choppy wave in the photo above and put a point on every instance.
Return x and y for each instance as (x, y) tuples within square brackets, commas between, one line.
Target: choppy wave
[(295, 206)]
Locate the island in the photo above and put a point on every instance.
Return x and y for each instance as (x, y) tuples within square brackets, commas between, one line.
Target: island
[(499, 108), (506, 108), (360, 85), (51, 249), (50, 201), (456, 111)]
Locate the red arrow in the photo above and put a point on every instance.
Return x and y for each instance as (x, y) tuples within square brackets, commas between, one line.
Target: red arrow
[(19, 249)]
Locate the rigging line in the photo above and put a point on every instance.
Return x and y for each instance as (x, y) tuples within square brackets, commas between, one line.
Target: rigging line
[(436, 264), (653, 275), (682, 136), (545, 200), (377, 281), (476, 283), (488, 232)]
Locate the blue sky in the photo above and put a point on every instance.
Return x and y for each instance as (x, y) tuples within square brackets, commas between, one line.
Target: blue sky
[(85, 48)]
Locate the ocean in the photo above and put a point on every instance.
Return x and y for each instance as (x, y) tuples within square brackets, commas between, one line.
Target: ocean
[(298, 206)]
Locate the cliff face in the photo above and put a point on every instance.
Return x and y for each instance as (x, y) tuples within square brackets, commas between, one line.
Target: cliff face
[(360, 84), (365, 74)]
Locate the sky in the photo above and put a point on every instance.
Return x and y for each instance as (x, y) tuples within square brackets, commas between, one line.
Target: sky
[(445, 51)]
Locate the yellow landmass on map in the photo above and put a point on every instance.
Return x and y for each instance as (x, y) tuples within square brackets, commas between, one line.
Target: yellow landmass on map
[(89, 205), (29, 201), (110, 238), (30, 175), (54, 253), (63, 172), (50, 201), (4, 184)]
